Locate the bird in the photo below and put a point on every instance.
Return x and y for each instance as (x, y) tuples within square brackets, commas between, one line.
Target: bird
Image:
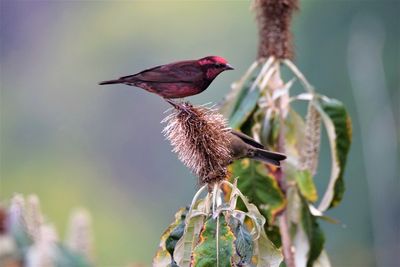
[(179, 79), (243, 146), (240, 145)]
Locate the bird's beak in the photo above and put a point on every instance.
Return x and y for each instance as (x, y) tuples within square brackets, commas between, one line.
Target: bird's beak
[(229, 67)]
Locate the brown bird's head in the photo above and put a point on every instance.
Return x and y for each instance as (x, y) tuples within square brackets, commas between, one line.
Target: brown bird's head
[(214, 65)]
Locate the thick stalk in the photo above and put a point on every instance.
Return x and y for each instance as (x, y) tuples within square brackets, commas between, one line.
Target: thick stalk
[(275, 84)]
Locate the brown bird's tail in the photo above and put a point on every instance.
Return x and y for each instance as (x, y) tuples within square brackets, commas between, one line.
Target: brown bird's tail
[(111, 82), (269, 157)]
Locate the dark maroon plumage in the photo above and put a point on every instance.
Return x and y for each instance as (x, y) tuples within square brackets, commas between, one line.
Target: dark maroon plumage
[(179, 79)]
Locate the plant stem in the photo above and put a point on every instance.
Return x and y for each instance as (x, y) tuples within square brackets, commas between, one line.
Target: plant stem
[(275, 84), (286, 241)]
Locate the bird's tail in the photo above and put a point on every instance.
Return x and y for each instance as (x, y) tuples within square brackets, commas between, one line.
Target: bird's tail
[(269, 157), (111, 82)]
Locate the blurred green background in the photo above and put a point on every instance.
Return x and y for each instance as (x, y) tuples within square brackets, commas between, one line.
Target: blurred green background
[(75, 143)]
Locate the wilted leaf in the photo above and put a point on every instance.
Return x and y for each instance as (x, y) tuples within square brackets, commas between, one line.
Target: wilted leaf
[(169, 239), (306, 185), (294, 206), (260, 188), (243, 244), (338, 125), (162, 259), (267, 254), (184, 247), (175, 235), (294, 131), (216, 244)]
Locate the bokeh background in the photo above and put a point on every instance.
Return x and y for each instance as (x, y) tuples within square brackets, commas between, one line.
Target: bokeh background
[(75, 143)]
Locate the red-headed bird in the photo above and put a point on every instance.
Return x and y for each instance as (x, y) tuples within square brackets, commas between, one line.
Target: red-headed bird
[(179, 79)]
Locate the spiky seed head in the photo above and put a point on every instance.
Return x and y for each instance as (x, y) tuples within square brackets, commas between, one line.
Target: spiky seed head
[(200, 137)]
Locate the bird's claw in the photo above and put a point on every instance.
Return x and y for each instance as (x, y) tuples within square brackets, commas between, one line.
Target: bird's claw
[(183, 106), (172, 103)]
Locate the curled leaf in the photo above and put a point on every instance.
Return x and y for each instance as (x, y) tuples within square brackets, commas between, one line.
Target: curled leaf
[(338, 126), (164, 254), (184, 247), (243, 244), (245, 108)]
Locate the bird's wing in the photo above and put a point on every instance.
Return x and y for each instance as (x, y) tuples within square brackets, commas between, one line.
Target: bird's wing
[(184, 71), (247, 139)]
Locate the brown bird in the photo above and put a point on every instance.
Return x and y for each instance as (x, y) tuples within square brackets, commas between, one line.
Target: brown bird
[(243, 146), (240, 145), (179, 79)]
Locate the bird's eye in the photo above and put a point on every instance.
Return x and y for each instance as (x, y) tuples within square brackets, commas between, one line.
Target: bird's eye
[(218, 65)]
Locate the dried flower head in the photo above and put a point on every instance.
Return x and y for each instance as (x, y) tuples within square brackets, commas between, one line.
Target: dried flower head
[(200, 137), (312, 141), (16, 214), (43, 252), (79, 236), (33, 216), (274, 18)]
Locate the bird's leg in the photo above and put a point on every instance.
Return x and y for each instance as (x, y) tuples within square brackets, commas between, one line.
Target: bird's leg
[(182, 106), (173, 103)]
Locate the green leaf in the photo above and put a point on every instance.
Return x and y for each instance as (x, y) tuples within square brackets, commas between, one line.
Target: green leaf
[(169, 239), (314, 233), (308, 237), (216, 244), (338, 125), (272, 138), (239, 90), (175, 235), (244, 109), (259, 187), (306, 185)]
